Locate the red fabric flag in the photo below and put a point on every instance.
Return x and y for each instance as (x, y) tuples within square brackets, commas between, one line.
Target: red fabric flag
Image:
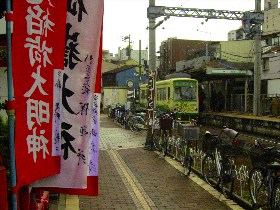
[(37, 50)]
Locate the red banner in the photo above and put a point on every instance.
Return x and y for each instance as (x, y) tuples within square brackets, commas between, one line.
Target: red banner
[(37, 49)]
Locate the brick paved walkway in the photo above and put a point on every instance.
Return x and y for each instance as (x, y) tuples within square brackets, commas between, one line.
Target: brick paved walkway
[(133, 178)]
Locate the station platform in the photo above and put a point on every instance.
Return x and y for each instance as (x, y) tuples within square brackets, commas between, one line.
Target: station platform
[(259, 125)]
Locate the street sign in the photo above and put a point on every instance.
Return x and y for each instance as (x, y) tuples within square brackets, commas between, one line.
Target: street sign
[(236, 72)]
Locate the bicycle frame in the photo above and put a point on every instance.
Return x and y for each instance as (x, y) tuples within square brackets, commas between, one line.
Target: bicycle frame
[(269, 176), (218, 159), (165, 138), (217, 169)]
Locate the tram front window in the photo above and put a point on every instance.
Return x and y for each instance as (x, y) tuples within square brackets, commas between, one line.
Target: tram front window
[(185, 93)]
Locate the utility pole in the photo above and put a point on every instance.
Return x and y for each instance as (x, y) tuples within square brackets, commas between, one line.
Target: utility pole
[(140, 65), (152, 77), (257, 64), (128, 49)]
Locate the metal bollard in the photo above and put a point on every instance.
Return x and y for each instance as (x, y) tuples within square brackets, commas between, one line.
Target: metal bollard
[(3, 187)]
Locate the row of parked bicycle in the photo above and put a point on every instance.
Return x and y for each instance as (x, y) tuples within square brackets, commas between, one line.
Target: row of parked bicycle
[(128, 119), (218, 161), (219, 150)]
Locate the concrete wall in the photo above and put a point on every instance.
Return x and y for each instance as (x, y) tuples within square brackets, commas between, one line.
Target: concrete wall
[(273, 87), (113, 96), (237, 51)]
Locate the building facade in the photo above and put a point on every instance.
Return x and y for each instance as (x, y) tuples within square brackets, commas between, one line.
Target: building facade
[(117, 83), (123, 55), (271, 49), (237, 34), (174, 50)]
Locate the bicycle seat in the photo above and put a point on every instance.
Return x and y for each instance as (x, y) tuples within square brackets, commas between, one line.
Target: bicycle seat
[(274, 165), (230, 133)]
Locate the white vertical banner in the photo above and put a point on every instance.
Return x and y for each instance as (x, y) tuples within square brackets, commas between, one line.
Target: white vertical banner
[(94, 142), (79, 104), (56, 120)]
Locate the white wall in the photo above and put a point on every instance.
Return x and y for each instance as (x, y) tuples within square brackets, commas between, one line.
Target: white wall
[(2, 26), (273, 86), (3, 90)]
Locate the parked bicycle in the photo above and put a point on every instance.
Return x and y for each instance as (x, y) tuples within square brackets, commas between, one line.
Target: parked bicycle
[(218, 165), (189, 133), (137, 122), (166, 125), (264, 178)]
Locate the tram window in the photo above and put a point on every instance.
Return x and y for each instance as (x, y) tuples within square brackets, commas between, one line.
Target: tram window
[(185, 93), (177, 93), (161, 94), (164, 95), (189, 92), (144, 94), (168, 93)]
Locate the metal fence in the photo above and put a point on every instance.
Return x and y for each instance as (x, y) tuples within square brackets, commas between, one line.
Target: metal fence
[(269, 104), (240, 157)]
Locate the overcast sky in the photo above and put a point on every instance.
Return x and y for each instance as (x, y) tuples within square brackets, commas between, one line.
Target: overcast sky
[(124, 17)]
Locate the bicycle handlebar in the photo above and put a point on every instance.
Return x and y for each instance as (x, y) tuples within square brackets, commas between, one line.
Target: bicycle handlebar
[(269, 149)]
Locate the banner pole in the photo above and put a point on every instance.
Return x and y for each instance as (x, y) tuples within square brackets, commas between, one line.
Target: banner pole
[(10, 109)]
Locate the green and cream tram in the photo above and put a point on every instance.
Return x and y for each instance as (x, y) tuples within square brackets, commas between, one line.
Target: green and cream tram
[(177, 93)]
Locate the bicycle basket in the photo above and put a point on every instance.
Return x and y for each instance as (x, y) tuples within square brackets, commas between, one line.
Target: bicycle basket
[(259, 157), (189, 132), (166, 122)]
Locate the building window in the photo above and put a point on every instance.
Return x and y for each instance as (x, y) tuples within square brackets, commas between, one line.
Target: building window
[(265, 64), (275, 41)]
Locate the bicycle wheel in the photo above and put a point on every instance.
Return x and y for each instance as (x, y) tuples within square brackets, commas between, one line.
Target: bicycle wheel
[(130, 123), (258, 187), (276, 197), (187, 160), (188, 165), (210, 171), (165, 142), (139, 123), (228, 176), (156, 139)]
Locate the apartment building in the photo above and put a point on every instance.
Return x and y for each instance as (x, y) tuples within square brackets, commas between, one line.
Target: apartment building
[(271, 49)]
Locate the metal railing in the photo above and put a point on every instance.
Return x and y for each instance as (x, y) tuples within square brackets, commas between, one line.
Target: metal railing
[(270, 104)]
